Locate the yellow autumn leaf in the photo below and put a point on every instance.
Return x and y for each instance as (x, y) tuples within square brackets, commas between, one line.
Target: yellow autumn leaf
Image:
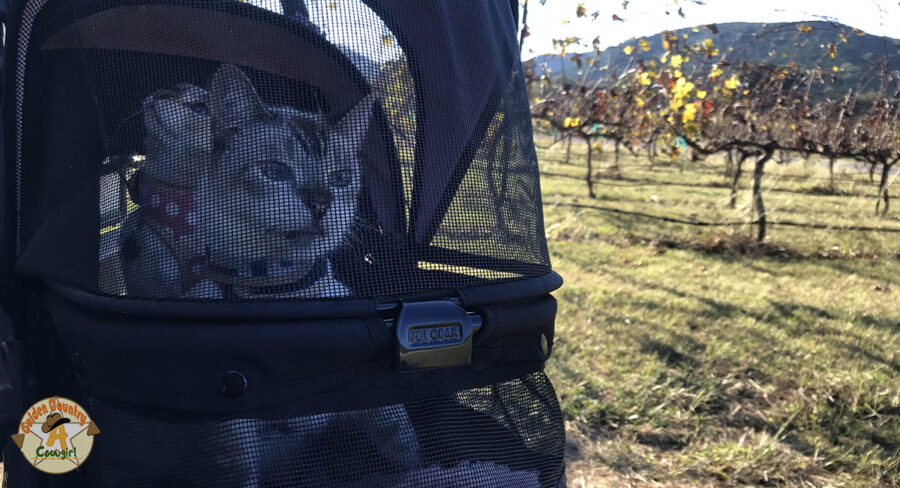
[(567, 122), (665, 58), (628, 49), (640, 102), (689, 114), (708, 44), (717, 73), (733, 82), (677, 73), (682, 88), (677, 60), (580, 11), (835, 69), (701, 94), (804, 28), (645, 45), (644, 78)]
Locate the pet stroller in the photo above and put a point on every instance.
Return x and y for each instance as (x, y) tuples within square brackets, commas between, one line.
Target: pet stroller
[(396, 164)]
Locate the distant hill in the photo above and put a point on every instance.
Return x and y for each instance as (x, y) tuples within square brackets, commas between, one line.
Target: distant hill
[(805, 43)]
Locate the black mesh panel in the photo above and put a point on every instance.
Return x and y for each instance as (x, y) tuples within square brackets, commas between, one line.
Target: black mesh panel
[(504, 435), (278, 151)]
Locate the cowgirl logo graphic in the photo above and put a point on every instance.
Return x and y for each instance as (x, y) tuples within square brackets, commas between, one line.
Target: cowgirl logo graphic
[(56, 435)]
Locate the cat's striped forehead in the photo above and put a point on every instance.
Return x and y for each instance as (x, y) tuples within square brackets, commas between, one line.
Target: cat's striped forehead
[(311, 134), (283, 133)]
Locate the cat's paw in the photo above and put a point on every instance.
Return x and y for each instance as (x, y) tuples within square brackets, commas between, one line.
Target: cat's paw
[(328, 287), (205, 289), (337, 289)]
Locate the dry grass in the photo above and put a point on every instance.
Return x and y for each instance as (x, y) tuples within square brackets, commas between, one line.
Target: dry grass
[(695, 357)]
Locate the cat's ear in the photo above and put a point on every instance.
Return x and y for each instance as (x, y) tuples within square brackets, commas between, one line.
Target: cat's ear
[(232, 99), (349, 134)]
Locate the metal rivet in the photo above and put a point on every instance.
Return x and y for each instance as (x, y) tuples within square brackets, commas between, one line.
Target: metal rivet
[(233, 383), (545, 345)]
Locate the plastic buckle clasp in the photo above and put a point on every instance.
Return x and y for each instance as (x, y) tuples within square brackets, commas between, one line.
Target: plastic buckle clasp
[(434, 335)]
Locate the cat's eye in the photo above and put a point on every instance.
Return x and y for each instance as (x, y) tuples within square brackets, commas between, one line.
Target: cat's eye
[(199, 108), (340, 178), (276, 171)]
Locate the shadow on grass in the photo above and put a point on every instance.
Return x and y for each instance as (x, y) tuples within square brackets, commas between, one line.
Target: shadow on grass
[(602, 179), (796, 319), (870, 356)]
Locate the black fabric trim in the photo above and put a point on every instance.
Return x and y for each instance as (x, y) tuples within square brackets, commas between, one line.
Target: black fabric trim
[(508, 292), (294, 310), (308, 364)]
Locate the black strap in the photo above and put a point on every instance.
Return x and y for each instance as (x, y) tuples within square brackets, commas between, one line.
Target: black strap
[(294, 9)]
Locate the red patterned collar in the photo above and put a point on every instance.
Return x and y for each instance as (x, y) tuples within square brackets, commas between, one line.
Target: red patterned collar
[(172, 212)]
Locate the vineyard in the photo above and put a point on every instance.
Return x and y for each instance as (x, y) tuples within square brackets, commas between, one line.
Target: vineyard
[(719, 200), (694, 102), (694, 356)]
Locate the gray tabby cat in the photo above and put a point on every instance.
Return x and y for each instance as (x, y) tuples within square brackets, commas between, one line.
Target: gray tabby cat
[(280, 196), (159, 250)]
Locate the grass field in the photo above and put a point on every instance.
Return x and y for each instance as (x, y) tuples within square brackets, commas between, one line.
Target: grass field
[(691, 357)]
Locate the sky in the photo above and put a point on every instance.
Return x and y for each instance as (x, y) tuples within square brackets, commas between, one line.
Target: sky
[(556, 19)]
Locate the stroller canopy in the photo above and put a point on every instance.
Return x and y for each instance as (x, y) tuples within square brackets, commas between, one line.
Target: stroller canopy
[(308, 233), (451, 193)]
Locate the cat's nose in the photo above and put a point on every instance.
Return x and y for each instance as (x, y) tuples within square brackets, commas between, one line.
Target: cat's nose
[(317, 199)]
